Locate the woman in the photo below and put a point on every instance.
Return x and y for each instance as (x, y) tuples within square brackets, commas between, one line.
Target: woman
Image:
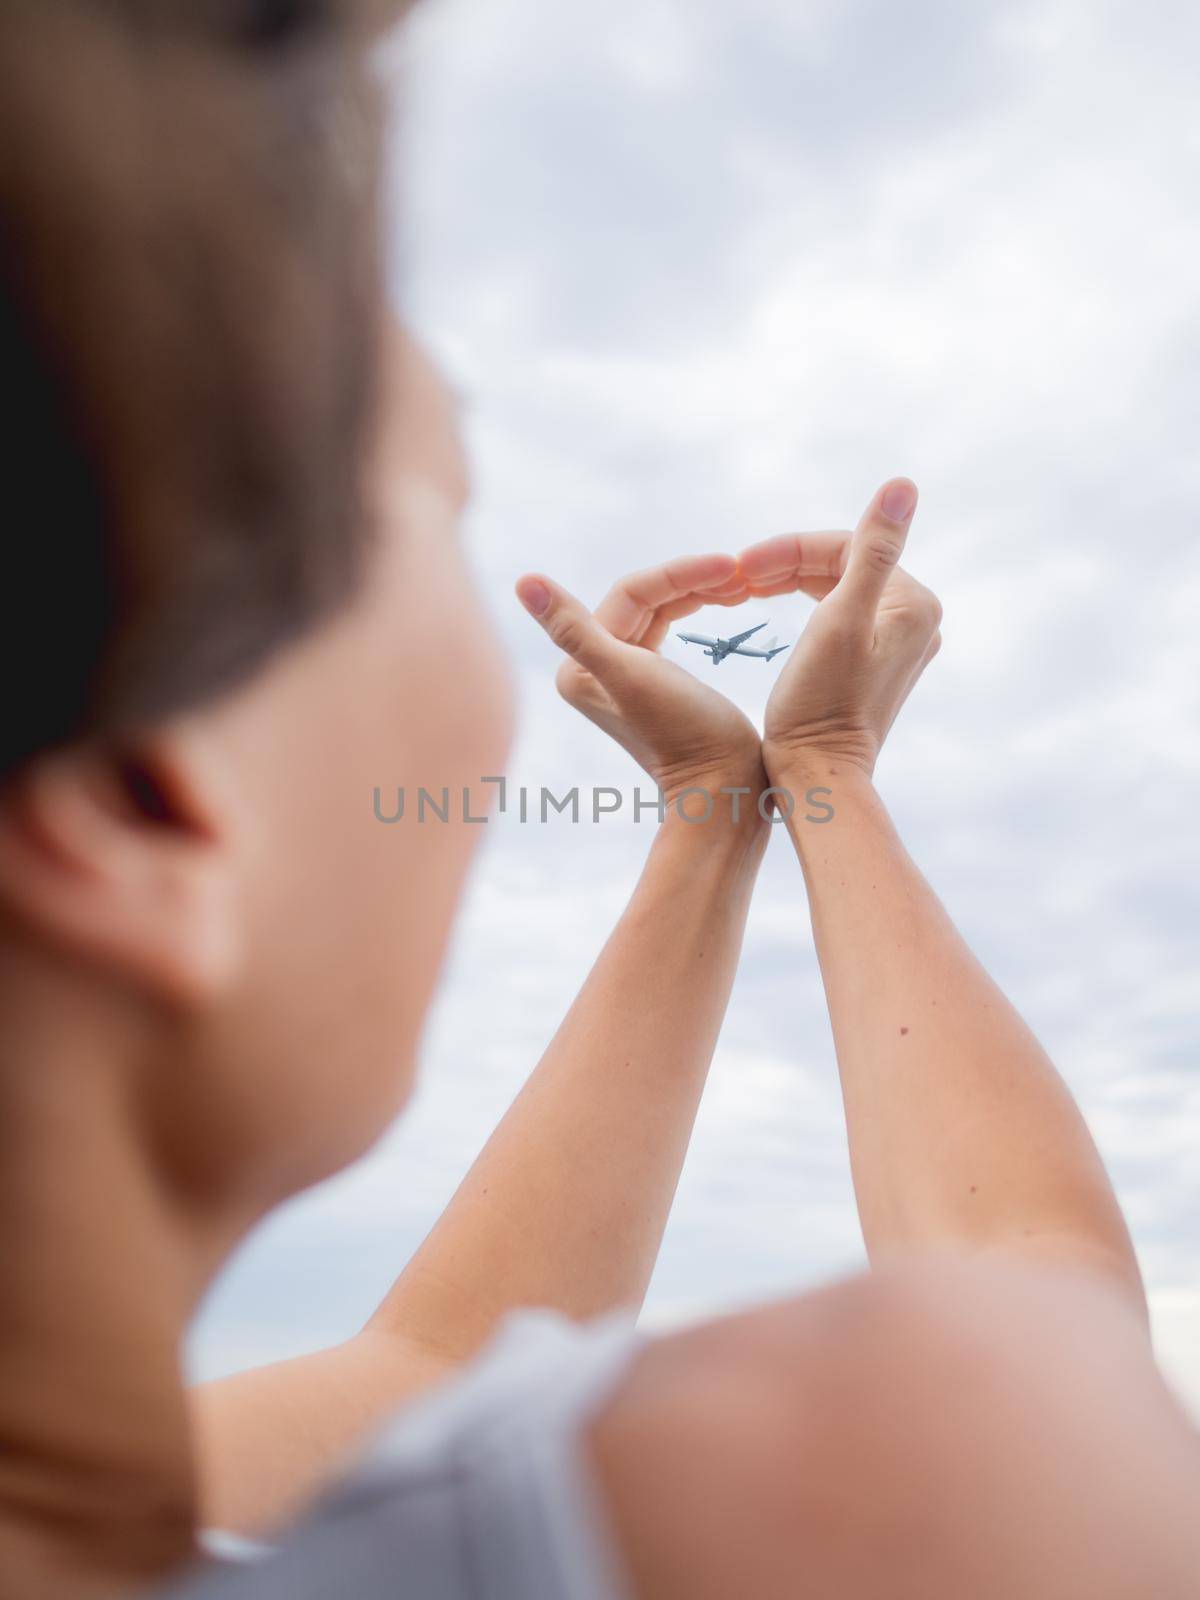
[(215, 964)]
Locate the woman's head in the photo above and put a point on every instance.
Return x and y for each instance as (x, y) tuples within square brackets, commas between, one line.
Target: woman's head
[(235, 602), (189, 303)]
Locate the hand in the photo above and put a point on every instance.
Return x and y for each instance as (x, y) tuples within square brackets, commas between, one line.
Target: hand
[(684, 734), (868, 641)]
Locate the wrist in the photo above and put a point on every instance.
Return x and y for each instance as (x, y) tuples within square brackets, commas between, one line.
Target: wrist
[(815, 787), (797, 765), (724, 796), (719, 818), (729, 838)]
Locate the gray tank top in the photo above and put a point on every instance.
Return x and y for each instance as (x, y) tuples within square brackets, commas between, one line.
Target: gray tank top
[(478, 1492)]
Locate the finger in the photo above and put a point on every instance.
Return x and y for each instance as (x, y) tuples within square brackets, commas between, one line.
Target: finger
[(732, 594), (639, 608), (572, 627), (876, 548), (792, 561), (814, 588)]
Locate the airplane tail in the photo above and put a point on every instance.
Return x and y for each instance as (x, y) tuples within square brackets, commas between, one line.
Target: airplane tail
[(776, 650)]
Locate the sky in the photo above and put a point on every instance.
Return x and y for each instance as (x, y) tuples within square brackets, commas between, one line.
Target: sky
[(705, 272)]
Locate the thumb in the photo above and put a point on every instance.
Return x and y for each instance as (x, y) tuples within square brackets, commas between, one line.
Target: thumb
[(572, 627), (876, 547)]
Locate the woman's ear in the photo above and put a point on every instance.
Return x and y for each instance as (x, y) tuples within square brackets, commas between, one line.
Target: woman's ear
[(124, 857)]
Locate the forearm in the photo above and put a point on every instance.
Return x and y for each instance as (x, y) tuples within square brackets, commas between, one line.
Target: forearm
[(961, 1131), (566, 1206)]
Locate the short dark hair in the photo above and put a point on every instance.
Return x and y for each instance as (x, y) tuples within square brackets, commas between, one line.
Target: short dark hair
[(189, 308)]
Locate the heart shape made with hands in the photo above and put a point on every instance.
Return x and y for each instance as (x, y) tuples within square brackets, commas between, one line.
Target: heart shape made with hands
[(871, 635)]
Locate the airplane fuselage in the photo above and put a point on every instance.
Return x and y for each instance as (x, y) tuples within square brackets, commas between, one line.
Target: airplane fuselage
[(717, 650)]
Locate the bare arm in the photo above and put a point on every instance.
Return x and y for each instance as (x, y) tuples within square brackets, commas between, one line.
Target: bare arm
[(977, 1422), (566, 1206), (961, 1131)]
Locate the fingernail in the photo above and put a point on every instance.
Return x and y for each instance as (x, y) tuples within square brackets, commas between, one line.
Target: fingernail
[(899, 501), (534, 596)]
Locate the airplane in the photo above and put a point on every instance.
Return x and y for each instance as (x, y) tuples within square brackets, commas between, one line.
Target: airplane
[(718, 649)]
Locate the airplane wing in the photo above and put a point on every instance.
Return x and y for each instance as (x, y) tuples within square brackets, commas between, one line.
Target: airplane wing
[(740, 638)]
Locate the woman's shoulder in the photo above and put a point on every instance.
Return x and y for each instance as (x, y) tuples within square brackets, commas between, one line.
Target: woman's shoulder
[(486, 1474), (938, 1427)]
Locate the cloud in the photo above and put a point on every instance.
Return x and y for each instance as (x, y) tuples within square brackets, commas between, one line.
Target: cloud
[(706, 273)]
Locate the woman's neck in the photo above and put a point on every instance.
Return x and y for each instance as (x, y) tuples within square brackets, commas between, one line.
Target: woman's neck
[(97, 1486)]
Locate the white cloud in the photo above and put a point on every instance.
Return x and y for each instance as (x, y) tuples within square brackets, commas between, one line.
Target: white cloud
[(709, 272)]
